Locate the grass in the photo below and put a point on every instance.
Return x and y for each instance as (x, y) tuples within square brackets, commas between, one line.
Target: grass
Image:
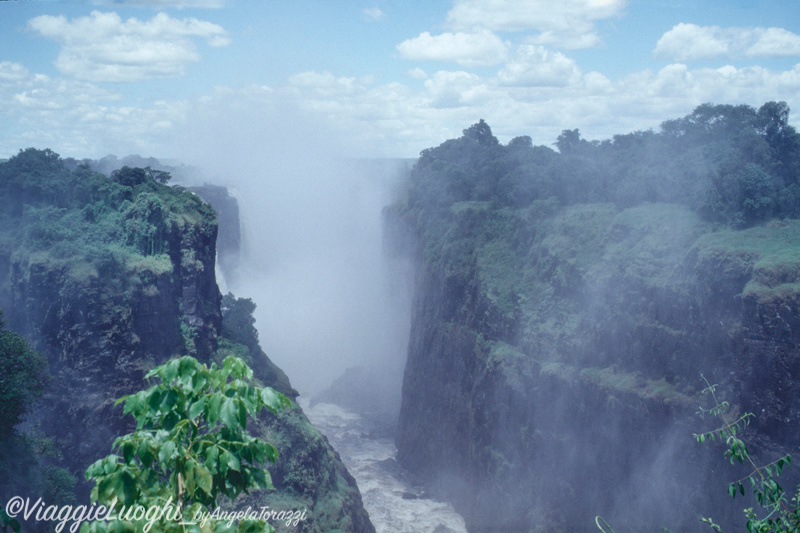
[(771, 253), (650, 241)]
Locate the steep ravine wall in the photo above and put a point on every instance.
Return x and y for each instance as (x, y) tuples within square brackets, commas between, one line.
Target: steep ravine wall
[(104, 321), (581, 398)]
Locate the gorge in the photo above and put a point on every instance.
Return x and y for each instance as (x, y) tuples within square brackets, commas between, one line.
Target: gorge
[(567, 306)]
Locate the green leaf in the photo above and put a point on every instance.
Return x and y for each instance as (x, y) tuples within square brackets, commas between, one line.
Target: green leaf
[(118, 526), (129, 402), (128, 451), (187, 368), (110, 465), (129, 487), (272, 452), (274, 400), (214, 403), (262, 479), (146, 452), (233, 462), (197, 408), (166, 452), (203, 478), (212, 457), (253, 526), (170, 371), (153, 398), (170, 420), (229, 413), (199, 382), (168, 400)]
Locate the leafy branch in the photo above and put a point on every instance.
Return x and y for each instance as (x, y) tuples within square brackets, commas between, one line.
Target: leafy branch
[(781, 515), (190, 446)]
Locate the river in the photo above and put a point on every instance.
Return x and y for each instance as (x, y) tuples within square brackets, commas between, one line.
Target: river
[(394, 503)]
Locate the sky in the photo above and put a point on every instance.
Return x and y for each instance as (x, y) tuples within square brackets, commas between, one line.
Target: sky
[(375, 78)]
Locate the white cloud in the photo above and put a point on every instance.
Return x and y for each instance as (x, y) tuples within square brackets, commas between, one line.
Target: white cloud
[(325, 84), (417, 74), (538, 66), (103, 47), (774, 42), (456, 89), (690, 42), (383, 119), (161, 4), (374, 13), (476, 49), (12, 72), (562, 23)]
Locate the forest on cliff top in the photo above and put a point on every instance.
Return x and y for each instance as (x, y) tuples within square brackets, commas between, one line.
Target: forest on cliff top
[(569, 300), (108, 276)]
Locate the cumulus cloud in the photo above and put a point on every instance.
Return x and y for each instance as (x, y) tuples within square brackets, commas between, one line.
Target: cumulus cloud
[(12, 71), (161, 4), (325, 84), (456, 89), (481, 48), (774, 42), (103, 47), (538, 66), (374, 13), (565, 24), (538, 93), (690, 42)]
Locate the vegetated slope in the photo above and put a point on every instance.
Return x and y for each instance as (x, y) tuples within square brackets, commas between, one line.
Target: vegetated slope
[(110, 276), (568, 302)]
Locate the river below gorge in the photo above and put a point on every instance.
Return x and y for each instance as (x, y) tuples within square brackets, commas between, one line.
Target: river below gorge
[(394, 502)]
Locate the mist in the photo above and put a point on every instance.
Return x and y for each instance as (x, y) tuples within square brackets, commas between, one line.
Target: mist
[(312, 261)]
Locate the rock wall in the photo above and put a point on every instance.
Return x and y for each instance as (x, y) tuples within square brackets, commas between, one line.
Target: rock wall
[(105, 315), (579, 398)]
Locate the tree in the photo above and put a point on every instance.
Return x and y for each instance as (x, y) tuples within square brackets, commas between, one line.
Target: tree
[(782, 516), (482, 133), (159, 176), (129, 176), (22, 379), (568, 141), (190, 448)]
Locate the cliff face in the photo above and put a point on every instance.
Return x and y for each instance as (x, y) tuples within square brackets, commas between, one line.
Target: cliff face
[(229, 243), (547, 425), (104, 319), (556, 352), (109, 288)]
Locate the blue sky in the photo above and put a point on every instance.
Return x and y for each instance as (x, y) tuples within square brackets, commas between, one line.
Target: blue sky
[(381, 78)]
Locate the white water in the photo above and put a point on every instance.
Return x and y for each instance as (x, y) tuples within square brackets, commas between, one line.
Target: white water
[(393, 503)]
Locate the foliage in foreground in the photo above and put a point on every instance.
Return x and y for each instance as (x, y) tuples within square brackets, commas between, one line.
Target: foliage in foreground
[(190, 448), (782, 515), (28, 460)]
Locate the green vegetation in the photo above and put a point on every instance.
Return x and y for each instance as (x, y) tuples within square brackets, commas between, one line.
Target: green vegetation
[(22, 380), (85, 222), (240, 337), (782, 515), (112, 275), (769, 253), (535, 231), (26, 457), (189, 450), (601, 267)]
